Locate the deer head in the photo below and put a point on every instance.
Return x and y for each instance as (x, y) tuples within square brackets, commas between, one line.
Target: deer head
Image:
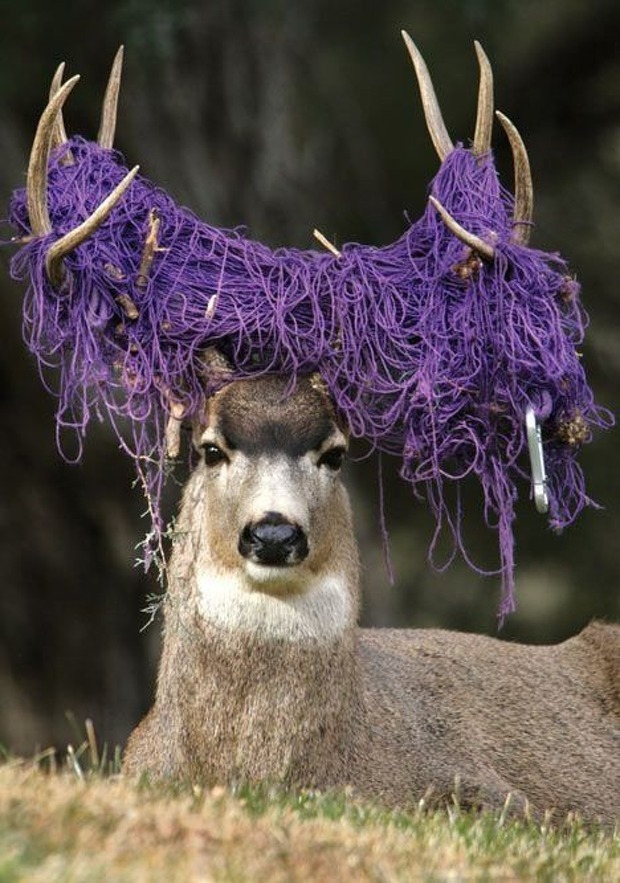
[(266, 531), (433, 347)]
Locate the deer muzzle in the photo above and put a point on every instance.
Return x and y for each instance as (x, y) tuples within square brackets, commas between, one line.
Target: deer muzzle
[(273, 541)]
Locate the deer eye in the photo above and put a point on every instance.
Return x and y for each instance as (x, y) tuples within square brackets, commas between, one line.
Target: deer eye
[(213, 455), (332, 458)]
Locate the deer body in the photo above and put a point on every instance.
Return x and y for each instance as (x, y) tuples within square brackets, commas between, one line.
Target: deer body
[(265, 675)]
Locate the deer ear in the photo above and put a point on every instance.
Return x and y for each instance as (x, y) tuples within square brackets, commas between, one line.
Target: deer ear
[(317, 382), (217, 369), (217, 372)]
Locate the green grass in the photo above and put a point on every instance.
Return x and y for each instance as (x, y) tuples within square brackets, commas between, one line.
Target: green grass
[(79, 820)]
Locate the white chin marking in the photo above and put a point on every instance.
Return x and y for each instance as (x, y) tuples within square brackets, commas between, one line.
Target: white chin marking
[(276, 580), (315, 610)]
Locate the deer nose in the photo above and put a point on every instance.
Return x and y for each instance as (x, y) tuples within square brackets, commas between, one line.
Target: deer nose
[(273, 540)]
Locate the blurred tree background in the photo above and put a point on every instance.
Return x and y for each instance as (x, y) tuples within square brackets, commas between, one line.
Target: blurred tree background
[(285, 116)]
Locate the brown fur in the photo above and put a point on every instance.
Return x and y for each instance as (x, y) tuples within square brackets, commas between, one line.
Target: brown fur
[(397, 714)]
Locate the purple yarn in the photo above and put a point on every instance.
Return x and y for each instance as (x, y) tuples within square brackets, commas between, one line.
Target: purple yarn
[(428, 352)]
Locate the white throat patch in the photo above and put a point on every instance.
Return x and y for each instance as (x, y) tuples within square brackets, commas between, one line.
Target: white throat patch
[(322, 612)]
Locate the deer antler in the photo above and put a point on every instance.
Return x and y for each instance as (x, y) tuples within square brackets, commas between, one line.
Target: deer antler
[(107, 128), (36, 180), (59, 135), (524, 191), (49, 131), (432, 112), (475, 242), (70, 241), (484, 113)]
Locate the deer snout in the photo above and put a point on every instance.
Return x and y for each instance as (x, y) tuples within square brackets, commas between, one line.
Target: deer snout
[(273, 540)]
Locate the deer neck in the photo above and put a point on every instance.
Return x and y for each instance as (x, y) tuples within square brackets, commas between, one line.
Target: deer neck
[(263, 699), (266, 680), (254, 710)]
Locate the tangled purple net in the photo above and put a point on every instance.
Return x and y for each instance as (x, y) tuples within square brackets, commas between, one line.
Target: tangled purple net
[(428, 351)]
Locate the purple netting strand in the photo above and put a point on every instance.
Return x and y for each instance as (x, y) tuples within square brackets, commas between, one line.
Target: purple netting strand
[(429, 353)]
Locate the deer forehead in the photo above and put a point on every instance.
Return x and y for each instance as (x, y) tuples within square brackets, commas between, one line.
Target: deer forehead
[(266, 416)]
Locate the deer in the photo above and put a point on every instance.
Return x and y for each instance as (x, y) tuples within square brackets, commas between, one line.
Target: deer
[(265, 674)]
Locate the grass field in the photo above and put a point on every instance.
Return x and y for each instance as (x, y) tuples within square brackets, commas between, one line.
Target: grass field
[(72, 824)]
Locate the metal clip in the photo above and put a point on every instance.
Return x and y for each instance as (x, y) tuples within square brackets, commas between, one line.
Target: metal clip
[(537, 461)]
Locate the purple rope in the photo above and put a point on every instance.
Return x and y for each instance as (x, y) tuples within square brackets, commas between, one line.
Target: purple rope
[(428, 353)]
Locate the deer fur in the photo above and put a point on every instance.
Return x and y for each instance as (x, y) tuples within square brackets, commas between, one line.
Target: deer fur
[(266, 676)]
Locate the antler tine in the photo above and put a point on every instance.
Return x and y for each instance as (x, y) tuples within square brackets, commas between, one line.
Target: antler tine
[(107, 128), (36, 180), (432, 113), (59, 135), (75, 237), (484, 115), (524, 188), (475, 242)]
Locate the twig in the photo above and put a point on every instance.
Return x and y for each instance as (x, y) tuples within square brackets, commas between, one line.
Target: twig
[(131, 310), (211, 306), (173, 429), (150, 248), (92, 742), (326, 243), (74, 762)]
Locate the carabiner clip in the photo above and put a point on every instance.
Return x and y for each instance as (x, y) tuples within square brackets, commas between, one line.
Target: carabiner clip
[(537, 461)]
